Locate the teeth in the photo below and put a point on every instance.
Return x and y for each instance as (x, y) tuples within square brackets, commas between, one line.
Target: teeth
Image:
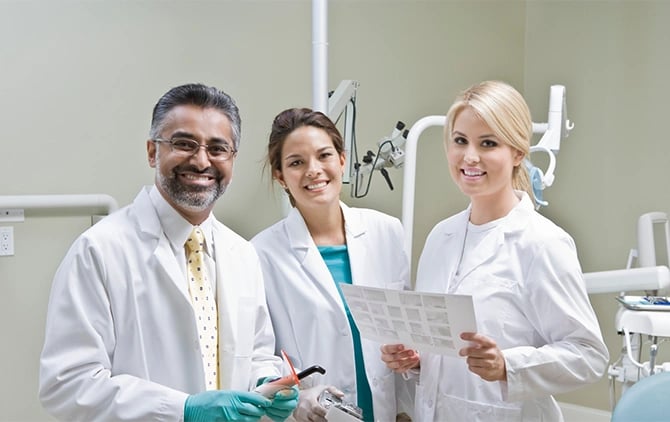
[(195, 177), (472, 173), (316, 185)]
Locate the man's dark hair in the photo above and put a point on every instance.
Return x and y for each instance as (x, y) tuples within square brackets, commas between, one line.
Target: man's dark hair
[(198, 95)]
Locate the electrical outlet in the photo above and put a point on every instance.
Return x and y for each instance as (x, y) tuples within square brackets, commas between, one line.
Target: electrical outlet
[(6, 241)]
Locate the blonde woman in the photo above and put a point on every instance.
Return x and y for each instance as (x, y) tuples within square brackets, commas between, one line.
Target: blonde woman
[(537, 332)]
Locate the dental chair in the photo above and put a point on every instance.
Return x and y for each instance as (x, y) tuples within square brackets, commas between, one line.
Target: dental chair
[(642, 321), (645, 401)]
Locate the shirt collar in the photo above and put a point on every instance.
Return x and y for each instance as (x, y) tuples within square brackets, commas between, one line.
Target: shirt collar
[(175, 227)]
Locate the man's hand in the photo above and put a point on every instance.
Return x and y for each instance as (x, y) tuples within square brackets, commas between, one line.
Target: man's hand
[(283, 404), (225, 405)]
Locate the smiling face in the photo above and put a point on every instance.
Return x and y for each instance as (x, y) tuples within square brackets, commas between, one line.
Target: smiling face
[(311, 168), (192, 184), (480, 163)]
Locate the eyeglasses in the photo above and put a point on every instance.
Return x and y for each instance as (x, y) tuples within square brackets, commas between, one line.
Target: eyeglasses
[(187, 147)]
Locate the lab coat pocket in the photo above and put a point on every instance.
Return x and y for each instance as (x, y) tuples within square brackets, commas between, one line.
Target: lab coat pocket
[(490, 281), (424, 408), (451, 408), (384, 398), (498, 292)]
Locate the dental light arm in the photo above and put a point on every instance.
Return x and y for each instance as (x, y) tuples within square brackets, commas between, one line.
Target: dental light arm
[(558, 127), (409, 175), (340, 101)]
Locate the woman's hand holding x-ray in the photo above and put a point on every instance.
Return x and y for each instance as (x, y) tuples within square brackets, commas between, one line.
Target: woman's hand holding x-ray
[(398, 358), (483, 357)]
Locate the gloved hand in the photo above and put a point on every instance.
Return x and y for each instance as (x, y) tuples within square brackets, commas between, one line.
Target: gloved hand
[(225, 405), (283, 404), (309, 409)]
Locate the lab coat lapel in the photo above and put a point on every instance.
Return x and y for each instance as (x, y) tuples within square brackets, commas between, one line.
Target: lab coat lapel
[(488, 248), (491, 244), (149, 224), (308, 255), (228, 273), (355, 232)]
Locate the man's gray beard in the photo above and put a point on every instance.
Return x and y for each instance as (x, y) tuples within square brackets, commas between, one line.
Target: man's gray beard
[(192, 198)]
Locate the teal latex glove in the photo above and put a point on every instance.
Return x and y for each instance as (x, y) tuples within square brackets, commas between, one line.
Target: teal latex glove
[(283, 404), (225, 405)]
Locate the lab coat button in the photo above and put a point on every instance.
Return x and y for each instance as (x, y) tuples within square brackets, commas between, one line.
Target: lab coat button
[(430, 403)]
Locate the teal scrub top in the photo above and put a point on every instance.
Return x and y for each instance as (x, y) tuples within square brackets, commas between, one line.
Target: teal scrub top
[(337, 260)]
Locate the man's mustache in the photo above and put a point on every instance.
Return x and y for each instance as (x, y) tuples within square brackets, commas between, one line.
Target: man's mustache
[(209, 171)]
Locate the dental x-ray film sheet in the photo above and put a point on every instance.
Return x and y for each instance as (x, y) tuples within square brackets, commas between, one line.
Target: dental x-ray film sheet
[(428, 322)]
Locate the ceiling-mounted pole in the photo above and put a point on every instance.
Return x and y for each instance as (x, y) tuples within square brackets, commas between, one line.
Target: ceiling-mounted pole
[(319, 68), (320, 55)]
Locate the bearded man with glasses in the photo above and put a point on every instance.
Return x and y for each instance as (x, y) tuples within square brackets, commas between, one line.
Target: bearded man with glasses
[(158, 312)]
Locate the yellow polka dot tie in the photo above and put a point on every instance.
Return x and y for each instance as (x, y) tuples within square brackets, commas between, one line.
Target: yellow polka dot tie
[(204, 305)]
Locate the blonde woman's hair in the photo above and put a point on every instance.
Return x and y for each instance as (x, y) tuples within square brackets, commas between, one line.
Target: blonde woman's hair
[(505, 111)]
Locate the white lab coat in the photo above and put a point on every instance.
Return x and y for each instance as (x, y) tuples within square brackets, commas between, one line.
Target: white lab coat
[(529, 296), (307, 312), (121, 339)]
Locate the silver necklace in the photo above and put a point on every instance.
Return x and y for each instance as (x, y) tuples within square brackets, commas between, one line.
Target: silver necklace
[(465, 238)]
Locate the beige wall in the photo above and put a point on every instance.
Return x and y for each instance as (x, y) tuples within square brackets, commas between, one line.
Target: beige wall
[(613, 58), (79, 79)]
